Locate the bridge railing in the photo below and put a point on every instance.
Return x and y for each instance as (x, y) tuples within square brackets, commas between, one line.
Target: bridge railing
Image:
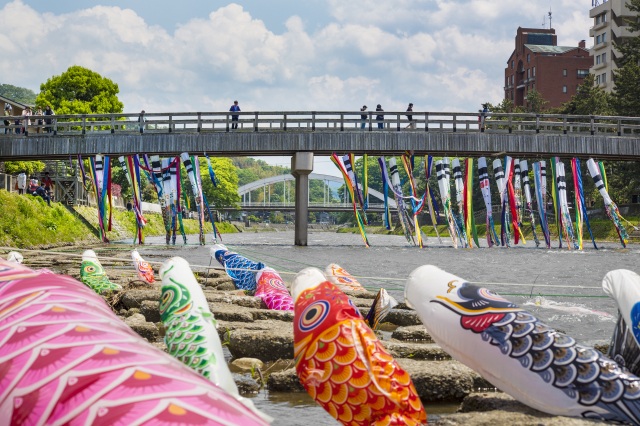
[(318, 121), (276, 205)]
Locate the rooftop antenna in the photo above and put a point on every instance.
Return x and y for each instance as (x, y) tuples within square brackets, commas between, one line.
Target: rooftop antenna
[(549, 17)]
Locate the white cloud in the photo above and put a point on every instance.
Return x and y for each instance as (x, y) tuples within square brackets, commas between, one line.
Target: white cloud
[(438, 54)]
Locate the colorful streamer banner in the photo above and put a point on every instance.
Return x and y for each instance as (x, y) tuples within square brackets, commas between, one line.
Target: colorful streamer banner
[(469, 219), (348, 183), (540, 181)]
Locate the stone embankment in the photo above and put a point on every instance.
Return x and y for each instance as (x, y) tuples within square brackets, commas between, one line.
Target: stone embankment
[(260, 345)]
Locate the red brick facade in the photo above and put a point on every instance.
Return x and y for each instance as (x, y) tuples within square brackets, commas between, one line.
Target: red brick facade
[(539, 63)]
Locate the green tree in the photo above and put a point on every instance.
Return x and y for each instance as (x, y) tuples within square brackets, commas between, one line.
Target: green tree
[(226, 193), (588, 100), (18, 94), (80, 91), (535, 102), (626, 93), (29, 167)]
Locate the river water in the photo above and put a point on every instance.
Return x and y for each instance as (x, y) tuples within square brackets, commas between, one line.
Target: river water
[(542, 280)]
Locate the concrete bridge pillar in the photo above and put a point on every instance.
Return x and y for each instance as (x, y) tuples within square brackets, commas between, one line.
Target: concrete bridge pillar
[(301, 166)]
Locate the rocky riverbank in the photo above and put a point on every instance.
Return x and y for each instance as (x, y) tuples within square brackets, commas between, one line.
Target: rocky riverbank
[(259, 342)]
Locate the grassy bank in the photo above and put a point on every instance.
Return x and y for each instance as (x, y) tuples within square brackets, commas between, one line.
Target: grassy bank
[(27, 222)]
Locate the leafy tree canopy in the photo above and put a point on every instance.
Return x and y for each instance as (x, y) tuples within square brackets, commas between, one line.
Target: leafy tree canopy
[(226, 193), (18, 94), (29, 167), (588, 100), (80, 91), (626, 94)]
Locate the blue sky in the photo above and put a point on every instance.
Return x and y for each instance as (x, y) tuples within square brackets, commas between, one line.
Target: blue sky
[(442, 55)]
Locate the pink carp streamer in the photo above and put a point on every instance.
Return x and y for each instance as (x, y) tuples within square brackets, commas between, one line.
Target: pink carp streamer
[(272, 290), (66, 359)]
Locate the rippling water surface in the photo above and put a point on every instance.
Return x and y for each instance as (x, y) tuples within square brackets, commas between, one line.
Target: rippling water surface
[(542, 280)]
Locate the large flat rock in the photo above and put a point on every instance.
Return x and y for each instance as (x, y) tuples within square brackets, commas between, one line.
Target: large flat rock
[(269, 341), (422, 351), (499, 418)]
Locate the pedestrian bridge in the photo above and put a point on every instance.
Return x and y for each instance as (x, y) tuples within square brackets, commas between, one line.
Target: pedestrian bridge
[(280, 133), (286, 203)]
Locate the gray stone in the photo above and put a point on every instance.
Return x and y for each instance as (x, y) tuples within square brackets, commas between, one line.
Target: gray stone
[(483, 401), (248, 363), (359, 294), (246, 384), (494, 418), (271, 343), (422, 351), (134, 297), (285, 381), (145, 329), (412, 332), (403, 317), (245, 301), (267, 314), (150, 310), (440, 381), (229, 312)]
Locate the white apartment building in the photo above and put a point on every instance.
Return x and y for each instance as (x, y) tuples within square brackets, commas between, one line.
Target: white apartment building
[(609, 26)]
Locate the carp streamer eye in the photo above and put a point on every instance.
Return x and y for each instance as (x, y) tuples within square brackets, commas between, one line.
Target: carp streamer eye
[(277, 284), (314, 315), (90, 268), (489, 295)]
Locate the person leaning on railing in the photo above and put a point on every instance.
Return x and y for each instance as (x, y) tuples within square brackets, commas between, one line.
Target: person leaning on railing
[(48, 111), (7, 112)]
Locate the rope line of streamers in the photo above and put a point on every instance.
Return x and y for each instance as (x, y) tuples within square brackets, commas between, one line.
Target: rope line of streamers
[(359, 277)]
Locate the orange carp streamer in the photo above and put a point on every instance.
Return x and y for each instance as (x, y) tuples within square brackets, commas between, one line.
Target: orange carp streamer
[(342, 364)]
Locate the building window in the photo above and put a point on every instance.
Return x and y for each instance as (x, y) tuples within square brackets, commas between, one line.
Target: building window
[(598, 60), (564, 72), (604, 58), (512, 64), (604, 37), (583, 73), (528, 72), (597, 79), (598, 39), (534, 71), (603, 78), (528, 57), (604, 17), (564, 89), (597, 19)]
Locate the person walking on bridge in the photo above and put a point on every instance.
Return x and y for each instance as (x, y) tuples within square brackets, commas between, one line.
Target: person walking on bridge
[(411, 125), (141, 121), (234, 118), (48, 111), (380, 117), (363, 117)]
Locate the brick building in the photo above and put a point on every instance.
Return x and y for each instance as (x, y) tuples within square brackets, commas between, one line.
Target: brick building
[(537, 62)]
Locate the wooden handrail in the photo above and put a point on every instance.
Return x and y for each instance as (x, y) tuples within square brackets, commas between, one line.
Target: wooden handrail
[(322, 121)]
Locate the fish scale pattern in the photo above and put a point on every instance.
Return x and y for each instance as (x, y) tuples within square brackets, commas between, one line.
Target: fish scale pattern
[(344, 367), (240, 269), (273, 291), (66, 359), (582, 373), (94, 276)]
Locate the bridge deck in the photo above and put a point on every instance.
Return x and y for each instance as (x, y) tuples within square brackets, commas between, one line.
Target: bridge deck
[(284, 133)]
